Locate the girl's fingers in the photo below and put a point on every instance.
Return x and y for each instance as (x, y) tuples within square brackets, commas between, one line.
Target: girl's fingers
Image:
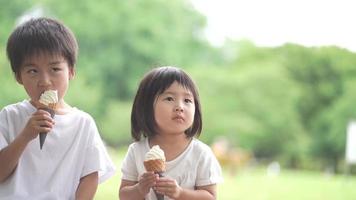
[(167, 187)]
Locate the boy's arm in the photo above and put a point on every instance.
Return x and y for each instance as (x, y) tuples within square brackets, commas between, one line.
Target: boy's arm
[(87, 186), (10, 155), (40, 121)]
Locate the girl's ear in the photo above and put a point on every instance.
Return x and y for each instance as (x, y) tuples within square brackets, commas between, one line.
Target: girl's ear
[(18, 78), (71, 73)]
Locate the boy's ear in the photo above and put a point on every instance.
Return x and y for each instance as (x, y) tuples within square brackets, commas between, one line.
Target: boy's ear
[(18, 78)]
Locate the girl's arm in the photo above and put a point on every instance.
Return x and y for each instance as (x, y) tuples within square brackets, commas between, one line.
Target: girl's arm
[(203, 192), (133, 190), (170, 188), (87, 187), (130, 190)]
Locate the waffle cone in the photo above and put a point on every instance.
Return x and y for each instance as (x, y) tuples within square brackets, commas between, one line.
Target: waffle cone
[(157, 165), (51, 106), (51, 109)]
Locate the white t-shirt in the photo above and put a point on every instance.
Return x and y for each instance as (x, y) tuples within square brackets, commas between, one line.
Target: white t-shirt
[(196, 166), (73, 149)]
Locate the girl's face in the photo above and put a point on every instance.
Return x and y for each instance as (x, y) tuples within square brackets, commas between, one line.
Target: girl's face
[(174, 110), (42, 72)]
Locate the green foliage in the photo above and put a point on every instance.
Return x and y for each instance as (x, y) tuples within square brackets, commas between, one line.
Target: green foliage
[(289, 103), (115, 126), (326, 99), (87, 97), (9, 13), (250, 106), (120, 40)]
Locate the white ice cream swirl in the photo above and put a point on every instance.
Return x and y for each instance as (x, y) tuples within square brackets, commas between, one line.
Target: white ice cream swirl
[(49, 97), (155, 153)]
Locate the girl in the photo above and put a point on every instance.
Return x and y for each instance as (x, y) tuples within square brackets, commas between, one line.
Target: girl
[(166, 112)]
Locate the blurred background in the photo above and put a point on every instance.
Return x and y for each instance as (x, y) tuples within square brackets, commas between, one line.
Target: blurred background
[(276, 80)]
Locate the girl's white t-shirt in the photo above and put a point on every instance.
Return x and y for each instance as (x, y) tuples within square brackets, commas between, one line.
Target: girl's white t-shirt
[(72, 150), (196, 166)]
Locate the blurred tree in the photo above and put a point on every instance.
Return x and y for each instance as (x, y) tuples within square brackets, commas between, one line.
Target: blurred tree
[(9, 13), (252, 100), (323, 75), (121, 40)]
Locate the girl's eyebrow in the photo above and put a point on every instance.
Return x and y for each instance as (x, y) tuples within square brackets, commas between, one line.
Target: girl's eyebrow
[(175, 93)]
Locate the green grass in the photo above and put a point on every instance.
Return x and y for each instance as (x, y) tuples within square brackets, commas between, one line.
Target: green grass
[(254, 184)]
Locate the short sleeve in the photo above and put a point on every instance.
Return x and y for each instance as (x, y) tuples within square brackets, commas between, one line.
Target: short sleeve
[(209, 170), (128, 167), (3, 130), (98, 159)]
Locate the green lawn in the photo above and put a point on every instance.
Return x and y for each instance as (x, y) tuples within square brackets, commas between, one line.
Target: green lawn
[(254, 184)]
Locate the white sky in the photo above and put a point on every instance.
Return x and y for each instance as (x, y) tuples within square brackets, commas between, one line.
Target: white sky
[(275, 22)]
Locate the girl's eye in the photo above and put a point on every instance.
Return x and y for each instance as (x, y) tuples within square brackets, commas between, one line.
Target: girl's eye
[(188, 100), (169, 98)]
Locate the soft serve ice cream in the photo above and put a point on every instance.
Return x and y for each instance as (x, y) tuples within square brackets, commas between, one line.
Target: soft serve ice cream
[(49, 98), (48, 101), (155, 153), (155, 161)]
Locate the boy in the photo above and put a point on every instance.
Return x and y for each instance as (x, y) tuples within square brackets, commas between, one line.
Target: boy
[(42, 53)]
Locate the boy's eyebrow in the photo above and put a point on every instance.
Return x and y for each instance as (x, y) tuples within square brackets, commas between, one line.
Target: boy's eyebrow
[(55, 62), (28, 65)]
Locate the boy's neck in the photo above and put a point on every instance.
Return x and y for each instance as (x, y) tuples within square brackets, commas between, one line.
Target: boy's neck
[(61, 109)]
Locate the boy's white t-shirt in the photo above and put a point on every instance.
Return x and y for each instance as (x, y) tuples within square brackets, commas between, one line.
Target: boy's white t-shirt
[(196, 166), (72, 150)]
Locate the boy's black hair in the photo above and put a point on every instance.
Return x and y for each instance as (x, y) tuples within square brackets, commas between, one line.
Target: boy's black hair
[(152, 85), (41, 35)]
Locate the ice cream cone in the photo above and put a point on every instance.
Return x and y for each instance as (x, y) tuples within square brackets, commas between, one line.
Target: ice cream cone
[(155, 161), (156, 165), (43, 135), (159, 196), (48, 102)]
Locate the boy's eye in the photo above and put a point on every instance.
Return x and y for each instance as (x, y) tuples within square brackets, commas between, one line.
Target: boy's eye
[(31, 71), (56, 69)]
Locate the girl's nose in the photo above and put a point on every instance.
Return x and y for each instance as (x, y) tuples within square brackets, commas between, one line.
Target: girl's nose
[(179, 108)]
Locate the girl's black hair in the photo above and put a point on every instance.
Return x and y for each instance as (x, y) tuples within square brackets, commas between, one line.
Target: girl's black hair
[(152, 85)]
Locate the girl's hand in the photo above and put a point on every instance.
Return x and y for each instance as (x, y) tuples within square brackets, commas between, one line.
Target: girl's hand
[(168, 187), (146, 181), (40, 122)]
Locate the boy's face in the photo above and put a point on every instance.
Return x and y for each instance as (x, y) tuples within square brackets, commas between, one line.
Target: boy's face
[(42, 72)]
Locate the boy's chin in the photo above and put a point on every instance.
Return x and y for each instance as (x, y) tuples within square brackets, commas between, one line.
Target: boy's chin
[(35, 103)]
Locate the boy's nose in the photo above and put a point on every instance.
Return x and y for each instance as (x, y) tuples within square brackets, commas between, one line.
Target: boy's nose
[(44, 80)]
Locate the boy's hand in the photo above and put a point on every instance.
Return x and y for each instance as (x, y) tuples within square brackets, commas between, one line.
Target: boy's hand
[(40, 121), (146, 181), (168, 187)]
